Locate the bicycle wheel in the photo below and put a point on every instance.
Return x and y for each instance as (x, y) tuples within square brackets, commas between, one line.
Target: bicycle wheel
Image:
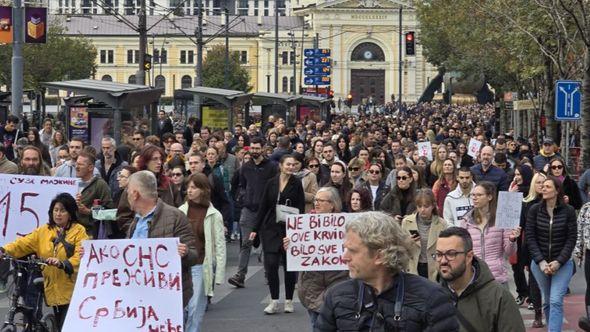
[(48, 323), (21, 323)]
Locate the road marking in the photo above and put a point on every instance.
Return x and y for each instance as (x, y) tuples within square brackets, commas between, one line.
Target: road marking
[(223, 290)]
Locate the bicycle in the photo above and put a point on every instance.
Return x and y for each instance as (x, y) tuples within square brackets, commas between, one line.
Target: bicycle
[(25, 313)]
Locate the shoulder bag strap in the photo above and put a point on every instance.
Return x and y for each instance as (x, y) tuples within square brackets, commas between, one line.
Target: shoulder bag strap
[(399, 298)]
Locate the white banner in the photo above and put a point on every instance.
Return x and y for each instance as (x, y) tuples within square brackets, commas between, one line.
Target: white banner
[(316, 241), (128, 285), (508, 210), (425, 150), (25, 200), (473, 148)]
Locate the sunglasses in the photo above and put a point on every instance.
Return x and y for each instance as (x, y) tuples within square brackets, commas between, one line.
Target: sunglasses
[(354, 169), (403, 178), (136, 139), (373, 171), (314, 165), (557, 167)]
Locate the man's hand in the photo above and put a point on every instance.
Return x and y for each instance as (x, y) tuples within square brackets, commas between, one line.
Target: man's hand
[(182, 249), (53, 262), (81, 207), (252, 236)]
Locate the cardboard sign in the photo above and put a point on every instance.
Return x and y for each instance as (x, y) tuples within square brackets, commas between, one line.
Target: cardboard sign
[(128, 285), (425, 150), (473, 148), (25, 201), (509, 208), (316, 241)]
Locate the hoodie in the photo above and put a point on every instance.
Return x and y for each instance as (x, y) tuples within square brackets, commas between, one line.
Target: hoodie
[(457, 205)]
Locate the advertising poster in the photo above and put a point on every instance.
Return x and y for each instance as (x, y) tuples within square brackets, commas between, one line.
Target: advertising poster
[(215, 117), (35, 25), (5, 25), (79, 123)]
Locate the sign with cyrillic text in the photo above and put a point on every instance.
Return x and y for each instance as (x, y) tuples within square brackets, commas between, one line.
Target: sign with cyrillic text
[(25, 201), (316, 241), (473, 148), (425, 150), (509, 208), (128, 285)]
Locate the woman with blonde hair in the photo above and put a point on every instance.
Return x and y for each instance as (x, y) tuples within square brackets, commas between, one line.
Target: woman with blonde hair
[(424, 226), (436, 168)]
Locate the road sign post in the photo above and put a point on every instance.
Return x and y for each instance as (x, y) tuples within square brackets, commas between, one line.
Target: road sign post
[(317, 66), (568, 100)]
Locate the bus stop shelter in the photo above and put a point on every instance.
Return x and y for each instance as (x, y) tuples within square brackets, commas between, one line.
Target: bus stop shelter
[(232, 99), (320, 103), (118, 96), (277, 103)]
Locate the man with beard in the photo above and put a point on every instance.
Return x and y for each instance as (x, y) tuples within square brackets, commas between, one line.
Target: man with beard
[(252, 179), (458, 201), (32, 162), (482, 304), (486, 171), (68, 169)]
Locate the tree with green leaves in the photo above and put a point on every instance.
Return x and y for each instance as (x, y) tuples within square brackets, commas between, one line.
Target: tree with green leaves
[(214, 71), (60, 58)]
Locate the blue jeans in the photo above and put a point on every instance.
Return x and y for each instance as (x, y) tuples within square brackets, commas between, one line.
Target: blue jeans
[(198, 303), (553, 289)]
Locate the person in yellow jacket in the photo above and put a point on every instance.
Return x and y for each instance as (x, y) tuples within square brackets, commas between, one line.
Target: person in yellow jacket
[(57, 242)]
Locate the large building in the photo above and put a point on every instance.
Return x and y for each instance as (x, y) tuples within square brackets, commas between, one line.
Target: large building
[(363, 37)]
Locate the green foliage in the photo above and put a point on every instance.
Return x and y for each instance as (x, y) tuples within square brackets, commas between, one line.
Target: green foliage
[(214, 71), (59, 59)]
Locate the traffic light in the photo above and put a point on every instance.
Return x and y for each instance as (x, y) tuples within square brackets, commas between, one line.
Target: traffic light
[(348, 101), (147, 62), (410, 43)]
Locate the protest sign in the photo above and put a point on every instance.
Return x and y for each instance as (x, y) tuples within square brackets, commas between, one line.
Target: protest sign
[(128, 285), (316, 241), (473, 149), (425, 150), (508, 211), (25, 200)]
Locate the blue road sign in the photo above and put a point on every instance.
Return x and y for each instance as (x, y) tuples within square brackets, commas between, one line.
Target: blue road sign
[(317, 71), (317, 80), (568, 100), (310, 52)]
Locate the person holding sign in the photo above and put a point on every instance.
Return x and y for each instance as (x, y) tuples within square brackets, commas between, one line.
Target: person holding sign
[(57, 242), (282, 190), (551, 233), (492, 244), (207, 225)]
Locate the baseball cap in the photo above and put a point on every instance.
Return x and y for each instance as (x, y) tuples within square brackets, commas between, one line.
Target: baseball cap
[(548, 141)]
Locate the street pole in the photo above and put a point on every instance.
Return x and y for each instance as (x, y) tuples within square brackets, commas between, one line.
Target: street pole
[(302, 59), (226, 71), (316, 45), (294, 48), (142, 29), (399, 92), (276, 46), (17, 59), (199, 66), (450, 90)]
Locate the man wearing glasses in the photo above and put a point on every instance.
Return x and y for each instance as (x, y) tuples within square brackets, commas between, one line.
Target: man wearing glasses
[(482, 303)]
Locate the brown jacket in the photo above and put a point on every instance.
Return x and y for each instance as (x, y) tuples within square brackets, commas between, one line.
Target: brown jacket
[(7, 166), (169, 221), (313, 286)]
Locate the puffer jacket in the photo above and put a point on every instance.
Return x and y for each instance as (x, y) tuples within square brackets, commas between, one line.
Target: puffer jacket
[(426, 307), (313, 284), (550, 241), (492, 245), (485, 305), (59, 285)]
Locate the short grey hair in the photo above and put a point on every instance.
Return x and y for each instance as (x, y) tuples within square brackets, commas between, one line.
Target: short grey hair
[(334, 197), (146, 183), (381, 232), (112, 140)]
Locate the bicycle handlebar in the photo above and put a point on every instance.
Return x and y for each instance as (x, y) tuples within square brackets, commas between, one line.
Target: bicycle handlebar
[(30, 261)]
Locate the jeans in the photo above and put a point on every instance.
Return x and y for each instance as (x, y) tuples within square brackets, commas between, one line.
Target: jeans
[(198, 303), (553, 289), (313, 317), (247, 222)]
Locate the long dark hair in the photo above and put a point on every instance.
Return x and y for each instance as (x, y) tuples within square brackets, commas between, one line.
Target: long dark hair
[(145, 155), (490, 190), (558, 188), (366, 203), (69, 204)]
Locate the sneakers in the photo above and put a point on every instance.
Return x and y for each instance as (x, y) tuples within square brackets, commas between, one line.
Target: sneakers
[(531, 306), (237, 281), (272, 307), (520, 300), (289, 306)]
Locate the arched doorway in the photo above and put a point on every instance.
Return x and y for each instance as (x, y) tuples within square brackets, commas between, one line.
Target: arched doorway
[(107, 78), (186, 82), (160, 82), (367, 84)]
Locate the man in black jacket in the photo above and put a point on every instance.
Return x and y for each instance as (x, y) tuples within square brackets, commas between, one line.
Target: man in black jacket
[(253, 177), (379, 296)]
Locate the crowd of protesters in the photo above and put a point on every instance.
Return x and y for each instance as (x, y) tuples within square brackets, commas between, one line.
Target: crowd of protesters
[(229, 185)]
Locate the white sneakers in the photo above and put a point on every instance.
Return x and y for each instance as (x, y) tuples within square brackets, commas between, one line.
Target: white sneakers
[(273, 307)]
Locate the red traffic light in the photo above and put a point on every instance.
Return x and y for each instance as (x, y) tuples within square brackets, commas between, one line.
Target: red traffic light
[(409, 36)]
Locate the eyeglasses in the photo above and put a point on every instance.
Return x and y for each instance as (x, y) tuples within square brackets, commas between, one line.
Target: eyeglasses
[(354, 169), (174, 175), (449, 255), (376, 171), (313, 165), (319, 200), (402, 178), (557, 167)]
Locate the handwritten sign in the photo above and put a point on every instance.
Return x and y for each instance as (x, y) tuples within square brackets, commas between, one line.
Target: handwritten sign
[(425, 150), (508, 211), (474, 147), (128, 285), (25, 201), (316, 241)]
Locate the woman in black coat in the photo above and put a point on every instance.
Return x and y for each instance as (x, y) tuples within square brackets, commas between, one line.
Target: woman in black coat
[(558, 169), (284, 189)]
